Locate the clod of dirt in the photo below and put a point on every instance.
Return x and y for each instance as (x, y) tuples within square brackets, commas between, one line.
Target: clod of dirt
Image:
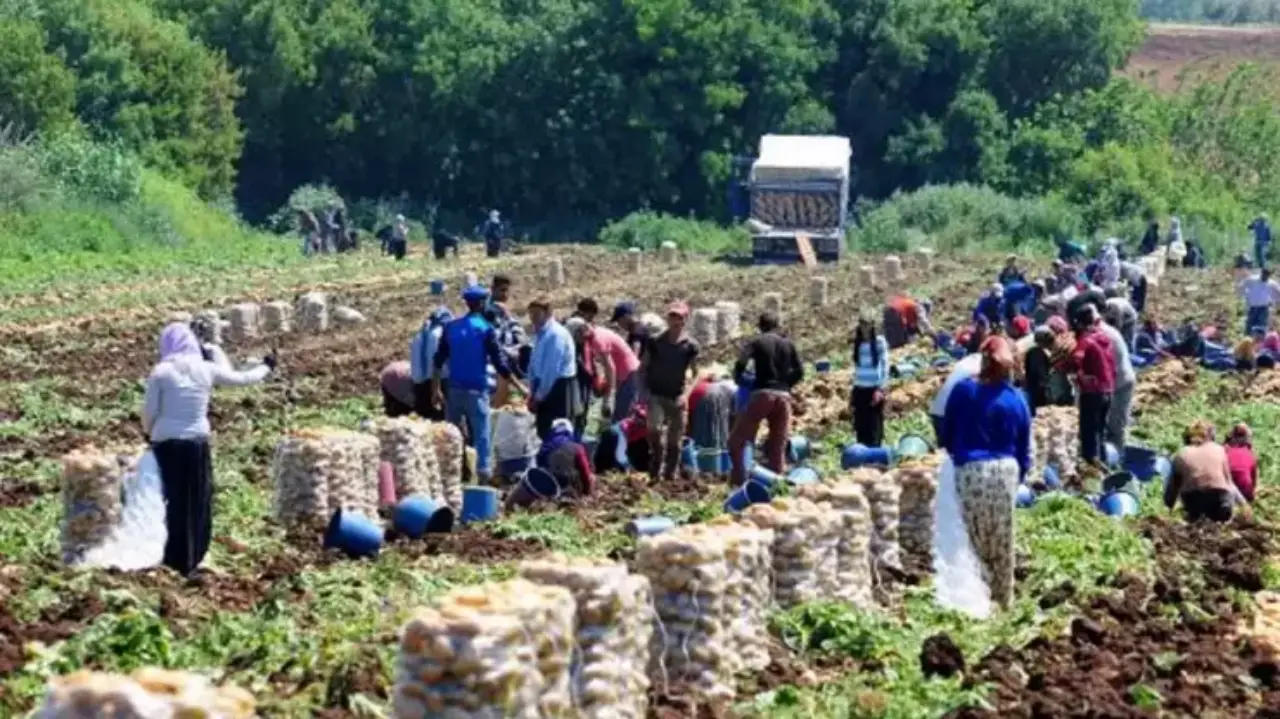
[(1087, 630), (55, 624), (15, 494), (1058, 595), (940, 657)]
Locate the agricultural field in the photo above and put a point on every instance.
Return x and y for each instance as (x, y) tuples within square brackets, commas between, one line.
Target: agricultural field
[(1140, 615), (1175, 55)]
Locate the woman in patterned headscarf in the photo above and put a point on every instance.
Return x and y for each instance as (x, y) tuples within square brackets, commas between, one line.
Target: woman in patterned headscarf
[(987, 433)]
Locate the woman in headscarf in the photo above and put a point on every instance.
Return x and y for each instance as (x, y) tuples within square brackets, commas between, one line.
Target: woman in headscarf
[(987, 433), (1109, 265), (711, 404), (175, 415), (1201, 477), (1242, 462), (870, 381)]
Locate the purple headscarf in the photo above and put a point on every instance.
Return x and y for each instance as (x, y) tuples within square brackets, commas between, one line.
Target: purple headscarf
[(177, 340)]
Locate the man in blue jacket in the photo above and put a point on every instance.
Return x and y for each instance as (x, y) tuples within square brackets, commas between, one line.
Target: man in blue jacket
[(469, 344), (1261, 240)]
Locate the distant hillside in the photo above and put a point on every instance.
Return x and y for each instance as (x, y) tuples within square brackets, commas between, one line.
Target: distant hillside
[(1224, 12), (1201, 52)]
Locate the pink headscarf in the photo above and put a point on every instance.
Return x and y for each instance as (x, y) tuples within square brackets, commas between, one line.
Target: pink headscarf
[(1271, 342), (177, 340)]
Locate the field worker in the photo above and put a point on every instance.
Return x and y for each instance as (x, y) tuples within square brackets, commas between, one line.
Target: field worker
[(590, 381), (1011, 273), (1152, 340), (870, 383), (491, 230), (777, 370), (1136, 277), (966, 368), (904, 320), (621, 372), (442, 242), (511, 335), (1242, 462), (1201, 477), (399, 243), (1109, 264), (1069, 251), (422, 366), (566, 459), (1094, 364), (1150, 239), (1093, 295), (588, 309), (711, 413), (553, 369), (175, 415), (468, 345), (1261, 240), (1019, 327), (986, 430), (668, 363), (396, 381), (1126, 380), (310, 228), (991, 305), (1121, 314), (1038, 370), (204, 332), (1260, 295), (626, 318), (979, 334)]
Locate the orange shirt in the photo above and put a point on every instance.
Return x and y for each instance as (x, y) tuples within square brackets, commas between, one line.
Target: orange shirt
[(908, 310)]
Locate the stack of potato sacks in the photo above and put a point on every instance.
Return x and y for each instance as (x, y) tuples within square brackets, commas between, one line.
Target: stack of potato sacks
[(450, 449), (1054, 434), (806, 539), (277, 318), (703, 326), (918, 479), (853, 551), (728, 320), (614, 630), (884, 495), (318, 471), (692, 647), (245, 319), (147, 694), (749, 591), (91, 504), (408, 445), (313, 312), (501, 650)]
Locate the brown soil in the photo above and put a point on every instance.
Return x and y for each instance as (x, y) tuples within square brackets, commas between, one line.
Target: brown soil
[(469, 544), (940, 657), (53, 625), (1174, 639), (15, 494)]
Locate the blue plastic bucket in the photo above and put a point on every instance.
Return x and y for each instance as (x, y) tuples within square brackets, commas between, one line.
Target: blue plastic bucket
[(912, 445), (860, 455), (958, 352), (745, 496), (354, 534), (541, 483), (1163, 469), (1052, 479), (1118, 504), (763, 476), (1120, 482), (649, 526), (798, 449), (437, 287), (1138, 454), (479, 504), (714, 461), (1111, 455), (943, 340), (514, 467), (1025, 497), (904, 370), (689, 455), (415, 516), (801, 476), (943, 363), (743, 396), (822, 366)]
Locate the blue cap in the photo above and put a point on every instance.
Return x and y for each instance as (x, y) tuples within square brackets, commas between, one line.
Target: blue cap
[(475, 293), (623, 309)]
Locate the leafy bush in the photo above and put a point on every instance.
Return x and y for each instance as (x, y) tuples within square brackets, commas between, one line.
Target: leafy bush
[(648, 230), (91, 170), (311, 198)]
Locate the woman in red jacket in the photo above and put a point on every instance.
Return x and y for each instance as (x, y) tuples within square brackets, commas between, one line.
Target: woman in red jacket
[(1241, 460), (1096, 377)]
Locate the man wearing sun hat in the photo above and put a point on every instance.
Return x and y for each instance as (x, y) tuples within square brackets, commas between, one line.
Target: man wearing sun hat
[(669, 360)]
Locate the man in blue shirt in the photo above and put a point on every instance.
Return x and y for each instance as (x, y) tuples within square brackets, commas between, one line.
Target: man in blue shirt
[(1261, 240), (467, 346), (991, 306), (553, 369)]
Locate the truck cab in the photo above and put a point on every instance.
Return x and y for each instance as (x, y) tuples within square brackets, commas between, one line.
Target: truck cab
[(799, 184)]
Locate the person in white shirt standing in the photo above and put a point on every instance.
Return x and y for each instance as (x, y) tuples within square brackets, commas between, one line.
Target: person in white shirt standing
[(1260, 294), (175, 414), (1126, 379)]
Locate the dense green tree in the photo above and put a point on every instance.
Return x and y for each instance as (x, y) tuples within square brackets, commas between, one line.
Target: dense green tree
[(37, 91)]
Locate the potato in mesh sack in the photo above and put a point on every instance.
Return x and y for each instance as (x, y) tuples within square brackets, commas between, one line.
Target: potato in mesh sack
[(409, 445), (146, 694), (749, 553), (806, 538), (853, 550), (883, 494), (918, 479), (91, 500), (450, 456), (318, 471)]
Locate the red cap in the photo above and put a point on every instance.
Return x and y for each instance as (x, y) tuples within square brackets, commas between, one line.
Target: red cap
[(678, 308)]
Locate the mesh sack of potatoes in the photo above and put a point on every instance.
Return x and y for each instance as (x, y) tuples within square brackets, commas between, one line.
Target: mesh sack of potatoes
[(211, 320), (146, 694), (883, 495), (313, 312), (749, 554), (702, 327), (728, 320), (1054, 434), (408, 444), (91, 499), (918, 479), (245, 322), (692, 651), (853, 551), (277, 318), (614, 627), (318, 471), (806, 538), (447, 441)]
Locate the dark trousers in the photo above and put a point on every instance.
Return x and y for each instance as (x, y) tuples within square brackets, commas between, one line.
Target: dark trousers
[(424, 405), (773, 409), (398, 248), (186, 472), (558, 404), (393, 407), (1211, 504), (1094, 408), (1138, 296), (868, 418)]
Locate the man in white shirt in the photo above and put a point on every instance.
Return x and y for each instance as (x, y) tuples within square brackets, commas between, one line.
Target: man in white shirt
[(1126, 379), (968, 367), (1260, 294), (1122, 315)]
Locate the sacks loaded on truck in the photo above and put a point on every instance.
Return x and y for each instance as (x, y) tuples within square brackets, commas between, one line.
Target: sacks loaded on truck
[(799, 187)]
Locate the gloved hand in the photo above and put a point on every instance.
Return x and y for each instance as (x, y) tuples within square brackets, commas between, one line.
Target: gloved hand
[(271, 361)]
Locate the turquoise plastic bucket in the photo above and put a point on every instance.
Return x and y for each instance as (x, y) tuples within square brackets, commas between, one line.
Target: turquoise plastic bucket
[(801, 476), (354, 534), (912, 445), (745, 496), (798, 449)]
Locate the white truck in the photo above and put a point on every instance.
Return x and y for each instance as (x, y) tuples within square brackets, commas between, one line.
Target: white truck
[(799, 184)]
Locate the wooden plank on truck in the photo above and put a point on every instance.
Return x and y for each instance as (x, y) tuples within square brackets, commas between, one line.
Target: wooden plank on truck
[(806, 250)]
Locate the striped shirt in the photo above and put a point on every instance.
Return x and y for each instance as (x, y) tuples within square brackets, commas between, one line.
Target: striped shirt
[(868, 372)]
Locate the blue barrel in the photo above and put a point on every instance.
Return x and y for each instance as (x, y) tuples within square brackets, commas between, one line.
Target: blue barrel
[(745, 496), (801, 476), (649, 526), (437, 287), (689, 455), (822, 366), (912, 445), (943, 363), (943, 340), (417, 515), (714, 461), (1138, 454), (763, 476), (904, 370), (515, 467), (743, 395), (1111, 455), (1025, 497), (541, 483), (860, 455), (354, 534), (479, 504), (1052, 479), (1118, 504), (798, 449)]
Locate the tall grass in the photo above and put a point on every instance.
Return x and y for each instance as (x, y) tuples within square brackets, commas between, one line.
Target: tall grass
[(648, 230)]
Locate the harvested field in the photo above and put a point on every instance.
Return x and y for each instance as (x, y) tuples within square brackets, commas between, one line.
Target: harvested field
[(1174, 56)]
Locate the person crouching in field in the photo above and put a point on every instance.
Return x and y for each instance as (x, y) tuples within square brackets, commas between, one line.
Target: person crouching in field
[(1242, 462), (905, 319), (777, 370), (1201, 477)]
